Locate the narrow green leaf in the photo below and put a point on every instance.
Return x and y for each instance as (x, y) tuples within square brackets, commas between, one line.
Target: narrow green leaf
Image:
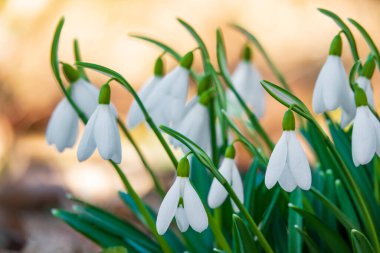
[(368, 39), (311, 245), (78, 59), (345, 204), (115, 250), (347, 32), (329, 192), (334, 240), (360, 242), (243, 238), (250, 186), (295, 220)]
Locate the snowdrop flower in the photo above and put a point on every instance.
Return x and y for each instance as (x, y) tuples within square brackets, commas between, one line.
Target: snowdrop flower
[(365, 132), (62, 129), (147, 92), (101, 131), (167, 103), (195, 123), (229, 171), (332, 88), (246, 79), (364, 82), (183, 203), (288, 163)]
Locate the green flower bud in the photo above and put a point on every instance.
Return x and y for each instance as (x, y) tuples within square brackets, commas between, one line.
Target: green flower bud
[(230, 152), (204, 84), (183, 168), (288, 122), (187, 60), (336, 46), (105, 94), (369, 67), (360, 97), (246, 53), (207, 96), (159, 67), (70, 72)]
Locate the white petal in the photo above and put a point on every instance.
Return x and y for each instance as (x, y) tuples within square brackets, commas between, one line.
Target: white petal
[(348, 110), (62, 129), (365, 84), (87, 144), (217, 194), (286, 180), (376, 126), (237, 186), (180, 217), (85, 96), (107, 135), (363, 137), (277, 161), (318, 102), (168, 208), (194, 209), (135, 115), (298, 164)]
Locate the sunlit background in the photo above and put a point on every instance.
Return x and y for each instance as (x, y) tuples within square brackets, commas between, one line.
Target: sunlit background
[(34, 177)]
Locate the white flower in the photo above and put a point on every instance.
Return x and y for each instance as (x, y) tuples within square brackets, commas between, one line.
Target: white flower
[(195, 125), (365, 136), (101, 132), (218, 194), (332, 88), (365, 84), (85, 95), (147, 92), (246, 79), (183, 203), (62, 129), (288, 164)]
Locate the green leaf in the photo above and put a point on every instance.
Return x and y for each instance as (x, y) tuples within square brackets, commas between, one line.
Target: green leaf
[(329, 192), (347, 32), (360, 242), (54, 61), (258, 45), (115, 250), (368, 39), (345, 203), (250, 186), (244, 240), (312, 247), (295, 220), (334, 241), (286, 98), (78, 59)]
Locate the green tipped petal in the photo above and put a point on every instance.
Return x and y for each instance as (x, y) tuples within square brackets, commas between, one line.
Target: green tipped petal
[(183, 169), (288, 122), (336, 46), (159, 67), (70, 72), (246, 54), (207, 96), (369, 67), (105, 94), (230, 152), (187, 60), (204, 84), (360, 97)]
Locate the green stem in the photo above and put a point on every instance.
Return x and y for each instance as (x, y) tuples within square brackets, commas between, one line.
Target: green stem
[(156, 181), (368, 222), (214, 145), (142, 208)]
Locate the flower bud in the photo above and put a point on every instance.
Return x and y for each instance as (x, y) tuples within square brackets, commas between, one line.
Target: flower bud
[(368, 68), (187, 60), (204, 84), (183, 168), (230, 152), (70, 72), (336, 46), (159, 67), (246, 53), (288, 122), (360, 97), (105, 94), (207, 96)]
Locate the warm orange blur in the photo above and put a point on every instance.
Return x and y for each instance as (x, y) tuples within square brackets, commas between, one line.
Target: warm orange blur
[(294, 33)]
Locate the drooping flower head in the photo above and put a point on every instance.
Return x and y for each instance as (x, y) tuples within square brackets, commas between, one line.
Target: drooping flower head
[(229, 171), (332, 89), (288, 164), (183, 203), (365, 132), (146, 93), (101, 131), (246, 79)]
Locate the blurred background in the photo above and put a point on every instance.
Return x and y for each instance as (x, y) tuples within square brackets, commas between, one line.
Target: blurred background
[(34, 177)]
